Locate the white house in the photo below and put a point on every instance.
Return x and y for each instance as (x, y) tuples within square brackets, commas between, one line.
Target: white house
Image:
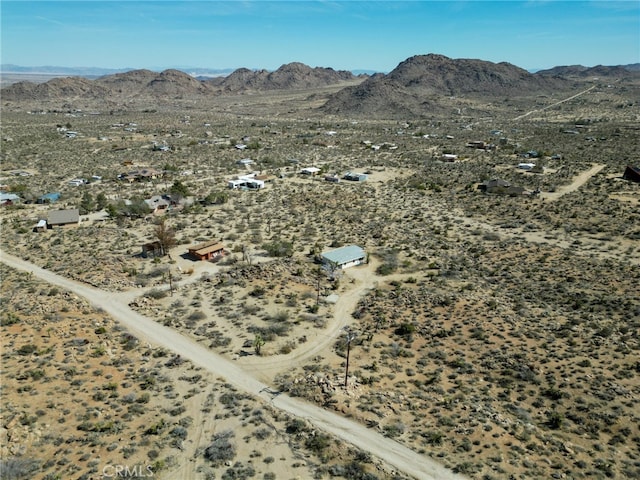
[(309, 170), (247, 181), (345, 257), (526, 166)]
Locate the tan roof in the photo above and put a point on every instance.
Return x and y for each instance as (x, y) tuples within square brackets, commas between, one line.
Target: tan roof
[(61, 217), (206, 247)]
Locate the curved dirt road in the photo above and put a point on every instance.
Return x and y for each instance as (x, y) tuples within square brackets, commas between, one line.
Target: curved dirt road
[(362, 279), (393, 453)]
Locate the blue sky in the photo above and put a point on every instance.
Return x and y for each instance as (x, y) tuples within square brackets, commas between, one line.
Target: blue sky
[(345, 35)]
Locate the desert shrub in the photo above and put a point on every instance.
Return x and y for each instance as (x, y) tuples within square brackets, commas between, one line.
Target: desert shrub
[(258, 292), (221, 449), (433, 437), (27, 349), (197, 315), (555, 420), (157, 428), (318, 443), (405, 329), (179, 432), (239, 471), (386, 268), (128, 341), (394, 429), (296, 425), (352, 471), (280, 316), (279, 248), (15, 468), (8, 318), (156, 294)]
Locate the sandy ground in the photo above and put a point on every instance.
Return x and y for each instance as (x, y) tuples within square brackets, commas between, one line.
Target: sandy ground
[(390, 451)]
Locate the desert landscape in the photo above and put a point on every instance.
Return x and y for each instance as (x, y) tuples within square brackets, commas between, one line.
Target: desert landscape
[(491, 328)]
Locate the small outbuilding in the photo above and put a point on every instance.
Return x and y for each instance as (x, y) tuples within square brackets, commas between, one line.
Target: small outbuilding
[(152, 249), (345, 257), (632, 174), (355, 177), (309, 171), (207, 250), (41, 226)]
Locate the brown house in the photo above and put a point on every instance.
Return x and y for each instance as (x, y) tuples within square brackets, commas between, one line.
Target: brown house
[(499, 186), (207, 250), (61, 218)]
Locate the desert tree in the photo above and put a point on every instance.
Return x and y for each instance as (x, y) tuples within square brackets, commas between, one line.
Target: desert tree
[(258, 343), (179, 189), (165, 234), (101, 201), (87, 204)]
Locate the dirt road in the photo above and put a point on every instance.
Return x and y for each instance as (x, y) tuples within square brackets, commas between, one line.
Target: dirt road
[(393, 453), (578, 181), (554, 104)]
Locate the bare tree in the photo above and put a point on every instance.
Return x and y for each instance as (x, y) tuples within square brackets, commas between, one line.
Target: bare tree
[(165, 234)]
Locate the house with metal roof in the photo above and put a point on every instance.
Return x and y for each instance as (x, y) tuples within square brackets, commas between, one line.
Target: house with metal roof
[(49, 197), (8, 198), (345, 257), (355, 177)]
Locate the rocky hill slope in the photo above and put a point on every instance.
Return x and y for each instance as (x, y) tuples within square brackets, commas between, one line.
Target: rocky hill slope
[(289, 76), (174, 84), (617, 71), (417, 85)]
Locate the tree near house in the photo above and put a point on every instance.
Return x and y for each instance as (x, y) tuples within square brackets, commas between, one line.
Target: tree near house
[(101, 201), (165, 234), (180, 189), (87, 204)]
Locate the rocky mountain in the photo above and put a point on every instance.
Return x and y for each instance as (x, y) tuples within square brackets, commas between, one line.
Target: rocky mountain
[(128, 83), (67, 88), (616, 71), (113, 88), (415, 86), (288, 77), (175, 84)]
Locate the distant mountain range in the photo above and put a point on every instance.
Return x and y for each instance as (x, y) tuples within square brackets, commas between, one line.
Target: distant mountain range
[(93, 72), (204, 73), (417, 86), (172, 84), (597, 71)]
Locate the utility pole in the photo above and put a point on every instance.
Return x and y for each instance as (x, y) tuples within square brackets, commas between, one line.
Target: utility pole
[(351, 336)]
